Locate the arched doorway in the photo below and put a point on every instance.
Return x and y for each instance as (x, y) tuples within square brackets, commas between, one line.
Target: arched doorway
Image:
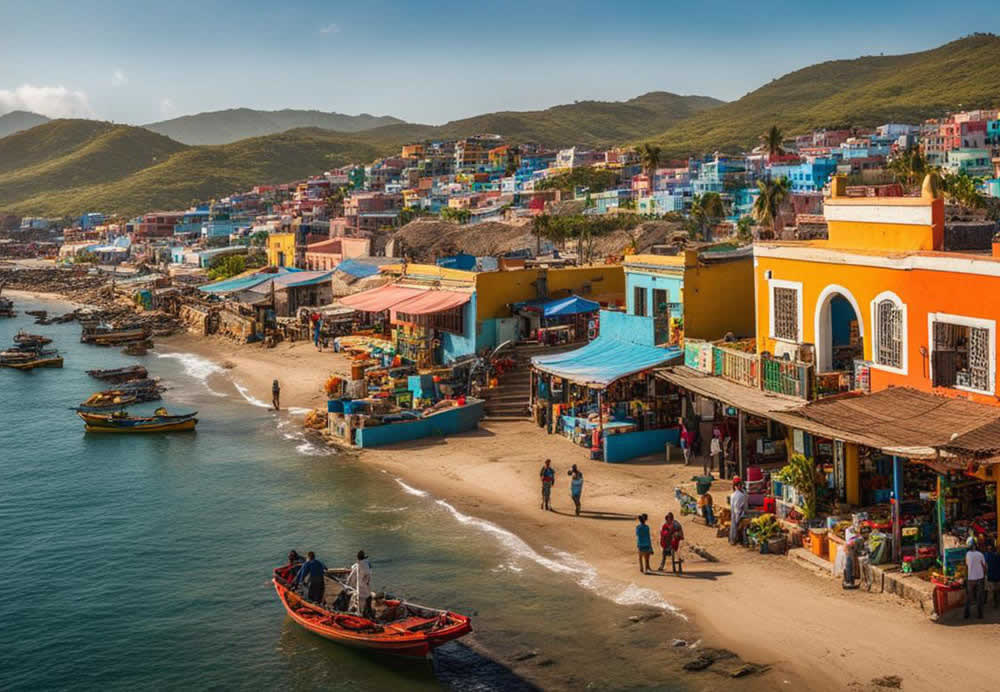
[(840, 330)]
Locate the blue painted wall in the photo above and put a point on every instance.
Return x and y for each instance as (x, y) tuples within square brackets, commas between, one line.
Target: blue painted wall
[(457, 345), (447, 422), (625, 446), (672, 284), (628, 328), (841, 316)]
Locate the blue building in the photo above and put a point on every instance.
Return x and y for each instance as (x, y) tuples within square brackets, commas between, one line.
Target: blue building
[(808, 176), (91, 219)]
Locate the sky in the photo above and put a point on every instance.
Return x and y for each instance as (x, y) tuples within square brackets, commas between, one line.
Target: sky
[(431, 61)]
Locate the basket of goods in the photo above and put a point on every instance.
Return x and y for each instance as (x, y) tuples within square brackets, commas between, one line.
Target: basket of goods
[(944, 581)]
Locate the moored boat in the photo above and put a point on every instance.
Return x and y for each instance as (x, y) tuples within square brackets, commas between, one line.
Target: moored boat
[(121, 422), (7, 308), (107, 400), (105, 335), (52, 361), (403, 629), (25, 339), (131, 372)]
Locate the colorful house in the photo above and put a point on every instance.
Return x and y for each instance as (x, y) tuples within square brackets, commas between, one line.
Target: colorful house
[(281, 249)]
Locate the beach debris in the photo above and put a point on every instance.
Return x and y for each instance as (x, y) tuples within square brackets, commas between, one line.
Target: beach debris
[(527, 655), (706, 658), (748, 669), (678, 642), (645, 617), (892, 682), (702, 553)]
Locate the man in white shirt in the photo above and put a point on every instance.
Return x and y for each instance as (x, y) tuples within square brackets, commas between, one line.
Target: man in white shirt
[(715, 450), (737, 510), (975, 566), (360, 579)]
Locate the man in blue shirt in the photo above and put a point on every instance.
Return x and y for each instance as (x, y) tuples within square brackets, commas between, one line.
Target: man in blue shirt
[(313, 569), (993, 573)]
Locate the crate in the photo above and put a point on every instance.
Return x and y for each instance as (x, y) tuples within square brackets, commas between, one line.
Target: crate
[(817, 542)]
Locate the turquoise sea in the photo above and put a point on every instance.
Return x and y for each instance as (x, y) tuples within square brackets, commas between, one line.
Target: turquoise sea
[(144, 562)]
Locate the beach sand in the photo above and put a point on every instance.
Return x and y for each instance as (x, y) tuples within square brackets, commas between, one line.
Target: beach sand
[(769, 611)]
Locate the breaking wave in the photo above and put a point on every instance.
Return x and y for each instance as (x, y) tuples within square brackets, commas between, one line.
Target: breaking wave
[(251, 399), (196, 367), (562, 562)]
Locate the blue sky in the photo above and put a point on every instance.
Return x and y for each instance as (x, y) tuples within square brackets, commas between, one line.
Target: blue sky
[(431, 61)]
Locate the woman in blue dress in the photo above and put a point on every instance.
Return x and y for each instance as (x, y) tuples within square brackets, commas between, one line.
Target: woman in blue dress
[(644, 543)]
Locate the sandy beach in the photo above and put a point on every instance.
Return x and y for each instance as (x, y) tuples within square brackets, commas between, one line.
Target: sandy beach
[(764, 608)]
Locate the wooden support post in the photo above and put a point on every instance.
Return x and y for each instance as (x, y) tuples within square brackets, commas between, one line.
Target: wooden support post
[(897, 508), (740, 418), (600, 422)]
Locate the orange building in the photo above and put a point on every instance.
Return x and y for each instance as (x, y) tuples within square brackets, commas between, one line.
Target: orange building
[(882, 289)]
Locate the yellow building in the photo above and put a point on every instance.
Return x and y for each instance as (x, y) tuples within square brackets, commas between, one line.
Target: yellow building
[(281, 249)]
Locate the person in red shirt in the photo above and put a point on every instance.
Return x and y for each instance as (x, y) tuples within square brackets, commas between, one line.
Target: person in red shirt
[(671, 535)]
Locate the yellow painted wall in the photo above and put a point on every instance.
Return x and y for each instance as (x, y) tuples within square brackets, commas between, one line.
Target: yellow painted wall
[(885, 236), (496, 290), (606, 280), (281, 242), (718, 298)]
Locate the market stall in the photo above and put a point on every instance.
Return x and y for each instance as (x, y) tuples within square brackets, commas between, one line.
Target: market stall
[(605, 398), (554, 321)]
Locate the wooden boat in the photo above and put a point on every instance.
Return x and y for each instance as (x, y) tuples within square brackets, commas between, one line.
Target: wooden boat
[(108, 400), (7, 308), (131, 372), (121, 422), (38, 362), (25, 339), (407, 629), (105, 335)]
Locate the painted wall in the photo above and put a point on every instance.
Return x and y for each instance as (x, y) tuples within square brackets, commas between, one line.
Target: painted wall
[(949, 287), (672, 283), (719, 298), (457, 345), (281, 243), (625, 446), (447, 422), (891, 223), (606, 282), (496, 290), (629, 328)]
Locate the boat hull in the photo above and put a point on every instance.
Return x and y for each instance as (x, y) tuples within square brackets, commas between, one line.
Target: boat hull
[(389, 641), (150, 428), (32, 364)]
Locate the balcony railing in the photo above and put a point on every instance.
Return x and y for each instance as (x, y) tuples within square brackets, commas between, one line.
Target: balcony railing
[(736, 362)]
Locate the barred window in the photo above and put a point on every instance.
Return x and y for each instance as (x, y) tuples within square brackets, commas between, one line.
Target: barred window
[(786, 313), (889, 334), (979, 359)]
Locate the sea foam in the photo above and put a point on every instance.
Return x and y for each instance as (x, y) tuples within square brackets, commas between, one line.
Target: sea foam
[(196, 367), (251, 399)]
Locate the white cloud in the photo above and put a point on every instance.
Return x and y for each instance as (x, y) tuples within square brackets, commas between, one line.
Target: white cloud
[(167, 107), (53, 101), (118, 78), (330, 29)]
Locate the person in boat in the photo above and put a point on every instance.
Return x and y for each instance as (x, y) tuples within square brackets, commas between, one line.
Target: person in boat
[(360, 579), (313, 571), (289, 571), (276, 395)]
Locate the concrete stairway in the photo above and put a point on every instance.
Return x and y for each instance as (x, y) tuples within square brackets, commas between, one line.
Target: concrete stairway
[(510, 399)]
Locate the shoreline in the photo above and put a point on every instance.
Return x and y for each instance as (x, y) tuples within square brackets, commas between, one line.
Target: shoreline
[(805, 629)]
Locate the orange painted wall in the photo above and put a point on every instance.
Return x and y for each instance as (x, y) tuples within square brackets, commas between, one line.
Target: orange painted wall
[(922, 291)]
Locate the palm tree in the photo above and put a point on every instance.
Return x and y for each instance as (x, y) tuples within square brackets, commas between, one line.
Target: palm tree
[(540, 225), (772, 141), (768, 202), (910, 167), (649, 156), (706, 210)]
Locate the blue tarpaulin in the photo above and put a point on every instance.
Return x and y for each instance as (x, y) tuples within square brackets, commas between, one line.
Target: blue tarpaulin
[(242, 283), (559, 307), (604, 360), (358, 269)]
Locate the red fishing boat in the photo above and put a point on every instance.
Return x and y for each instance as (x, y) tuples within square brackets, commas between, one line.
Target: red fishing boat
[(398, 627)]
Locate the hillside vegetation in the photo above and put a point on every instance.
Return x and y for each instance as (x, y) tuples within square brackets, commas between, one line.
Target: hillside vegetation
[(865, 92), (224, 127)]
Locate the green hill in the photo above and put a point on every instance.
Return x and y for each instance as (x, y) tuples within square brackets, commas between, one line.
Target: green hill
[(129, 170), (224, 127), (15, 121), (865, 92)]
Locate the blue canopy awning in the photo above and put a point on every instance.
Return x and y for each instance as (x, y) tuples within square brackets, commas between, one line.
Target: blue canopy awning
[(604, 360), (559, 307)]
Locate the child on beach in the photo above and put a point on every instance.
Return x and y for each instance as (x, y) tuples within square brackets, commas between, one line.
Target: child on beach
[(644, 543)]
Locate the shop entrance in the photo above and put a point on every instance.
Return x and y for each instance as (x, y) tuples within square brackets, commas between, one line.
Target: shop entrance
[(839, 330)]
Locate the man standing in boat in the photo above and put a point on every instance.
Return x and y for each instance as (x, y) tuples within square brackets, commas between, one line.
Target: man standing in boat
[(360, 579), (312, 569)]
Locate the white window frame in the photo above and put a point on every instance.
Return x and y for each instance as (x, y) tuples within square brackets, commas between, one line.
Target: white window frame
[(901, 306), (961, 320), (795, 285)]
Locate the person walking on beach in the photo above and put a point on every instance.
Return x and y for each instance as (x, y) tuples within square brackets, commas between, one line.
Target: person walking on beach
[(276, 395), (311, 572), (644, 543), (576, 486), (975, 565), (548, 478)]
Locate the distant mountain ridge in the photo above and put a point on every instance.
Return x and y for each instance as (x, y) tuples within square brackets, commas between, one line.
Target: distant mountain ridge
[(224, 127), (17, 121)]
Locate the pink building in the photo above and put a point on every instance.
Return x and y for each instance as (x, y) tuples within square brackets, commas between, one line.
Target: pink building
[(327, 254)]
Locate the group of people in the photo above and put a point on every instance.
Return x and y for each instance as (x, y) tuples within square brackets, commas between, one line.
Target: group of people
[(312, 573), (671, 535), (548, 479), (690, 442)]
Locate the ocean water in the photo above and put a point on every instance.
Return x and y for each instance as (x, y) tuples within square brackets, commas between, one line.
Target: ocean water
[(144, 561)]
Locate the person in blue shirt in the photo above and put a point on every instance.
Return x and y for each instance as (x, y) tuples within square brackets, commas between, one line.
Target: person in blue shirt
[(312, 572), (644, 543), (575, 486), (993, 573)]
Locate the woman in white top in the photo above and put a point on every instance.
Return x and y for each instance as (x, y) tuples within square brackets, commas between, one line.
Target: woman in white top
[(360, 579)]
